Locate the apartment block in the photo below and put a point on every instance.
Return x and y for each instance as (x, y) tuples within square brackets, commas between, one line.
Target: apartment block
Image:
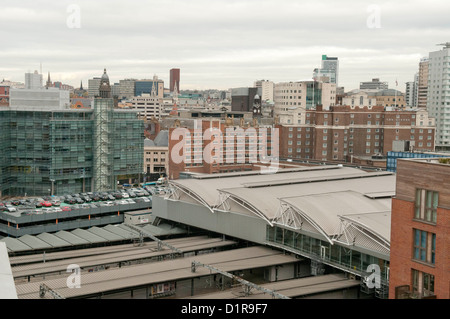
[(219, 146), (438, 95), (422, 83), (420, 228), (292, 99), (343, 132)]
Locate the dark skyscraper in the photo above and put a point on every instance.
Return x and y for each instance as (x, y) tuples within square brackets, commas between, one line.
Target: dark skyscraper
[(175, 79)]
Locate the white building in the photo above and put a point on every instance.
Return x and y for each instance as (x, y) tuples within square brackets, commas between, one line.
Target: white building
[(148, 105), (438, 99), (93, 87), (33, 80), (267, 89), (293, 98), (51, 98), (360, 99), (156, 154), (410, 94)]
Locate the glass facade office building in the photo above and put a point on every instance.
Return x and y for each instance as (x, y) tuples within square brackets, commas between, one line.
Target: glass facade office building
[(145, 87), (392, 156), (45, 152)]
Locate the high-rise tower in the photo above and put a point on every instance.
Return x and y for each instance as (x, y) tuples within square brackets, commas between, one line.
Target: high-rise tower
[(174, 78), (438, 95)]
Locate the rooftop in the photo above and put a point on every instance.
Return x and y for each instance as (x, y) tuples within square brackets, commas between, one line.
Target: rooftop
[(324, 198)]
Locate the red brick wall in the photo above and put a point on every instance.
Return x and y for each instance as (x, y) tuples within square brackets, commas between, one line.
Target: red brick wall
[(401, 262), (352, 124), (422, 175)]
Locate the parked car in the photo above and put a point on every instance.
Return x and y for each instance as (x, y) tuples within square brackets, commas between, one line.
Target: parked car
[(66, 209), (117, 195), (55, 203), (95, 197), (86, 198), (109, 203), (10, 208), (46, 204)]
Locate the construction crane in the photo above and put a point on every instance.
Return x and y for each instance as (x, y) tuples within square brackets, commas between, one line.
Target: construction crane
[(247, 285)]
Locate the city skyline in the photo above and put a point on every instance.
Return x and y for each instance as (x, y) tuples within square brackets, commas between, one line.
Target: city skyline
[(228, 44)]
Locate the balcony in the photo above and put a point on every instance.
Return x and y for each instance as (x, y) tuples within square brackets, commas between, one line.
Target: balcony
[(404, 292)]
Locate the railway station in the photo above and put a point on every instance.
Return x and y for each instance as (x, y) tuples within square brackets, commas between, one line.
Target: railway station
[(311, 233)]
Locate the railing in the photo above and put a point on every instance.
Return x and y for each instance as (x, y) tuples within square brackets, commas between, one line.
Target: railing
[(404, 292)]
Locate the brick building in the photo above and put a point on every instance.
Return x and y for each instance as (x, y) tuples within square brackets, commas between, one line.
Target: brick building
[(174, 80), (4, 95), (200, 150), (343, 132), (420, 228)]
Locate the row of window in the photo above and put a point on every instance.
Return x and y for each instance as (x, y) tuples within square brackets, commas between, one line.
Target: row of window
[(424, 242)]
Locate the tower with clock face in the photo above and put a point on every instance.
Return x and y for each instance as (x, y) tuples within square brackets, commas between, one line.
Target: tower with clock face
[(105, 87), (257, 106)]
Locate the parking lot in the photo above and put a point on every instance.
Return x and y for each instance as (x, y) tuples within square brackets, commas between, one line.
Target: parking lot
[(65, 203)]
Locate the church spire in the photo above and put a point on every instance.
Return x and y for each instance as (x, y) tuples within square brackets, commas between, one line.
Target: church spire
[(49, 82)]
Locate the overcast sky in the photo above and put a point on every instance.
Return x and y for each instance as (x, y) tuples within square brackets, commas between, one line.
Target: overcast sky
[(219, 44)]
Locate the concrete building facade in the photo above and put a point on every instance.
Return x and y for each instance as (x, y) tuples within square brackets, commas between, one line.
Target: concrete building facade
[(267, 89), (438, 97), (375, 84), (34, 80), (422, 83), (41, 98)]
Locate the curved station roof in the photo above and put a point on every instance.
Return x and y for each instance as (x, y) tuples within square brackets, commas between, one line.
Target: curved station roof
[(341, 204)]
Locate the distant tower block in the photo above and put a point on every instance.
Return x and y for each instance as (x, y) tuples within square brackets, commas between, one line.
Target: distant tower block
[(175, 78)]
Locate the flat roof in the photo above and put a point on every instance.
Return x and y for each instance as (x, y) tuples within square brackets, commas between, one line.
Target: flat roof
[(293, 288), (142, 275), (146, 251), (325, 197), (93, 235)]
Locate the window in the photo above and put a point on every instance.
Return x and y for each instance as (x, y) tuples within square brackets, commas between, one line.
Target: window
[(426, 205), (422, 283), (424, 247)]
